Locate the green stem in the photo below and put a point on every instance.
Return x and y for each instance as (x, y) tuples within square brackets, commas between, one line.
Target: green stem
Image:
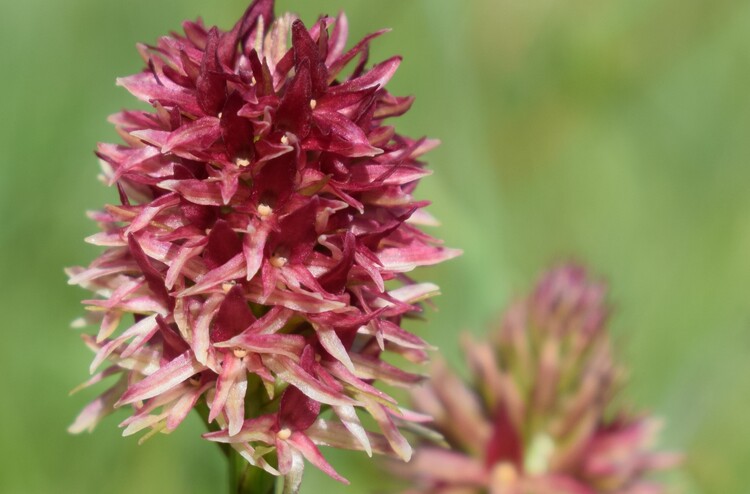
[(243, 477), (247, 479)]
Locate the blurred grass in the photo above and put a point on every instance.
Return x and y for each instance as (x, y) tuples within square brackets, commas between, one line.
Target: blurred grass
[(611, 132)]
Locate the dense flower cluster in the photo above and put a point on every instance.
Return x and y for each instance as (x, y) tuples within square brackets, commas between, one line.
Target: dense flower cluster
[(535, 418), (256, 261)]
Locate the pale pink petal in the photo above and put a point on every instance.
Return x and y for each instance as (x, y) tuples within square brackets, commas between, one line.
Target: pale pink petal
[(348, 417), (175, 372), (397, 441), (144, 327), (304, 445), (449, 467), (290, 372), (200, 338), (290, 345), (334, 434), (98, 409), (252, 248), (148, 213), (231, 367), (402, 260), (231, 270), (184, 405), (331, 342)]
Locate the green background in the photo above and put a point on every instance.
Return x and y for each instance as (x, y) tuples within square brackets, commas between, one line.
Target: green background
[(614, 133)]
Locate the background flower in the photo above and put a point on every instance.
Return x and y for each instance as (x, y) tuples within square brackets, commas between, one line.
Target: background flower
[(611, 131), (538, 416)]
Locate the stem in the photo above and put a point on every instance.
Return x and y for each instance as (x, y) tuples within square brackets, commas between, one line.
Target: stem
[(247, 479), (243, 477)]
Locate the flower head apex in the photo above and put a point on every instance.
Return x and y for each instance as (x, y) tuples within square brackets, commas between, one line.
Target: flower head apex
[(264, 203), (537, 417)]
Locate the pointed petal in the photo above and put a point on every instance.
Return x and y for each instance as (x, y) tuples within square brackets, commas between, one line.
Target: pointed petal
[(98, 409), (405, 259), (143, 327), (304, 445), (331, 342), (289, 345), (397, 441), (200, 338), (232, 270), (252, 247), (175, 372), (290, 372), (350, 420)]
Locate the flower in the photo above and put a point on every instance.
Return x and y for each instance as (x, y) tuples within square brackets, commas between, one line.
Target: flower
[(537, 416), (264, 206)]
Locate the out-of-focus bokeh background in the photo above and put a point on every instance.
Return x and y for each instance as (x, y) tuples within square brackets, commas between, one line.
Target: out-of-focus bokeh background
[(616, 133)]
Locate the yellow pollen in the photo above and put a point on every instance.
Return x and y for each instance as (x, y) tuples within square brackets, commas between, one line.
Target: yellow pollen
[(284, 140), (220, 114), (226, 286), (504, 474), (313, 104), (242, 162), (239, 352), (284, 434), (253, 81), (264, 210), (278, 261), (194, 381)]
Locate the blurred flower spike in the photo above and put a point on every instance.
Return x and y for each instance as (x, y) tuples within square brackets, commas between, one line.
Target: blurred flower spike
[(537, 416), (264, 205)]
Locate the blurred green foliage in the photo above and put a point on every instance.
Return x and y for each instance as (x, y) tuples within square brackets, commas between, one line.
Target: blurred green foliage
[(614, 133)]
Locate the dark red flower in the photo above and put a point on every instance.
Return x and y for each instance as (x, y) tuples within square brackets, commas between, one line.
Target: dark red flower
[(264, 206)]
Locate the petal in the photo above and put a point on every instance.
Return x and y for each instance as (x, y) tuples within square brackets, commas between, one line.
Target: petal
[(288, 371), (154, 278), (297, 411), (211, 86), (167, 377), (397, 441), (331, 342), (232, 270), (184, 405), (196, 191), (254, 242), (348, 417), (98, 409), (233, 317), (199, 134), (448, 467), (405, 259), (289, 345), (145, 87), (149, 212), (232, 370), (379, 75), (257, 429), (304, 445), (336, 435), (143, 327), (200, 337)]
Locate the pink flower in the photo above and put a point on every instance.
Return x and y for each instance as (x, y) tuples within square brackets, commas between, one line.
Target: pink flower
[(264, 204), (536, 417)]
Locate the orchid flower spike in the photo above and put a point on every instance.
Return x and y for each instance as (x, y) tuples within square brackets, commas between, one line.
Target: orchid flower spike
[(537, 415), (255, 263)]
